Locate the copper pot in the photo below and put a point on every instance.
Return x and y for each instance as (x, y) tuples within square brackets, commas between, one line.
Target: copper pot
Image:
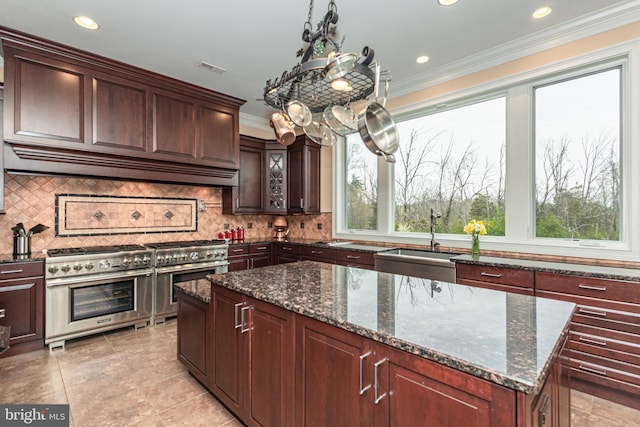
[(283, 128)]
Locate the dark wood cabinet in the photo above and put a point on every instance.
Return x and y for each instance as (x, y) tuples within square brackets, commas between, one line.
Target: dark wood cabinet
[(193, 336), (410, 390), (276, 179), (248, 196), (604, 333), (292, 252), (500, 278), (67, 111), (287, 252), (245, 256), (252, 355), (22, 302), (303, 180), (1, 151), (330, 376)]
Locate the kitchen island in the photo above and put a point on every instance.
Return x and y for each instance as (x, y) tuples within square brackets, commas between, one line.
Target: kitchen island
[(316, 344)]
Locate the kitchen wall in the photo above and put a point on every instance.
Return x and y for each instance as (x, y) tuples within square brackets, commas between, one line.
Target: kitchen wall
[(31, 200)]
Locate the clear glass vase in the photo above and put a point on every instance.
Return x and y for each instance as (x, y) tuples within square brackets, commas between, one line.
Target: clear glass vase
[(475, 244)]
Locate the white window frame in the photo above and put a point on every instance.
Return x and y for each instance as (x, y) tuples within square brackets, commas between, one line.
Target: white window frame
[(520, 160)]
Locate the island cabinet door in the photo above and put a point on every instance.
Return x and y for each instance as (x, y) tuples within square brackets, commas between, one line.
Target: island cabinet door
[(228, 348), (409, 390), (333, 377), (270, 391), (193, 334)]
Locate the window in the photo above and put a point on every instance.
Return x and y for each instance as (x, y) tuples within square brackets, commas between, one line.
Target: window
[(577, 137), (546, 159), (453, 162), (361, 186)]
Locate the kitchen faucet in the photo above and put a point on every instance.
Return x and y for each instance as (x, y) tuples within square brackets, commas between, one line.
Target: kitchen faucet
[(434, 218)]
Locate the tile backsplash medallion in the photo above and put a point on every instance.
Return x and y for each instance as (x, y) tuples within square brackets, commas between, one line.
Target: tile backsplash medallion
[(31, 200)]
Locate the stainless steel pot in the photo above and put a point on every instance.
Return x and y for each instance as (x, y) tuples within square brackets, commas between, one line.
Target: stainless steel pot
[(378, 131), (319, 132), (299, 113), (339, 66), (341, 120)]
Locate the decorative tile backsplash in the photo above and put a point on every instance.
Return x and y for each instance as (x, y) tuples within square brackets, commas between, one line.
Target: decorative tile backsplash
[(87, 215), (32, 199)]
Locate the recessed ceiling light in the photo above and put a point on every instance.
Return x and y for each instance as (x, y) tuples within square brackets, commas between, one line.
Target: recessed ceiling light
[(541, 12), (422, 59), (86, 22), (447, 2)]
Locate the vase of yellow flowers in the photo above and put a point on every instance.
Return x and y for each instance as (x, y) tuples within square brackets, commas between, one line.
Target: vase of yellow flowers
[(476, 229)]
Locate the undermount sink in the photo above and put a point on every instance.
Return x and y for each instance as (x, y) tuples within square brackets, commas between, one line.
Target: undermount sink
[(333, 243), (419, 263)]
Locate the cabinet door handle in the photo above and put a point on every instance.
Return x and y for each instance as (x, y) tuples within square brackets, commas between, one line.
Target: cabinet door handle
[(352, 257), (592, 288), (482, 273), (237, 202), (363, 389), (376, 383), (316, 252), (543, 411), (11, 271), (237, 250), (237, 325), (592, 341), (261, 248), (2, 311), (287, 248), (592, 312), (17, 287), (302, 203), (244, 321), (592, 370)]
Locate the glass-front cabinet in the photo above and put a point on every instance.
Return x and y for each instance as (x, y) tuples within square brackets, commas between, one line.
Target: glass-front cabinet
[(276, 180)]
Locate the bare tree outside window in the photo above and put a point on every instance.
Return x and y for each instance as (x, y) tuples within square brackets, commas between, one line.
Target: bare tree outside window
[(362, 185), (577, 127), (454, 162)]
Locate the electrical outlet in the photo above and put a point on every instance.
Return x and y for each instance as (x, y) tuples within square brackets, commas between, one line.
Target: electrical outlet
[(319, 226), (250, 225), (226, 226), (269, 224), (302, 225)]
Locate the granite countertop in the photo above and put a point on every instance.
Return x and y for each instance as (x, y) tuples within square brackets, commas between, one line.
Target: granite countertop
[(200, 289), (503, 337), (318, 243), (596, 271), (10, 258)]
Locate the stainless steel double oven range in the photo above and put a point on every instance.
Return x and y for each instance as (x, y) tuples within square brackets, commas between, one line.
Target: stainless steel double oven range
[(99, 288)]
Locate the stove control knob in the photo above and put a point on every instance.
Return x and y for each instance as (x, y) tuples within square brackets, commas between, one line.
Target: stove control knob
[(65, 268), (146, 260), (77, 267), (216, 254), (104, 264), (194, 255), (89, 266), (174, 257), (159, 259), (126, 262), (209, 255), (137, 261), (183, 257), (53, 269)]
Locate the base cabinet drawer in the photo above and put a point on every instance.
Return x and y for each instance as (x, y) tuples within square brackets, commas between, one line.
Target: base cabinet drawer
[(603, 289)]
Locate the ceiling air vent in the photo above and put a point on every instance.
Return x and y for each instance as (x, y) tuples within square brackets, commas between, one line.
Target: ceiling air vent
[(211, 67)]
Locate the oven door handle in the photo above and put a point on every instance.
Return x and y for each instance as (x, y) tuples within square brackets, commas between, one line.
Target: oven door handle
[(103, 277), (189, 267)]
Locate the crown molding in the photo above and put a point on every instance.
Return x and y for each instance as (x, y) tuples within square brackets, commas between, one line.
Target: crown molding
[(255, 122), (569, 31)]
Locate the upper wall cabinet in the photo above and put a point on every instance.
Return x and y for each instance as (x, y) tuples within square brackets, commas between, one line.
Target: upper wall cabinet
[(70, 112)]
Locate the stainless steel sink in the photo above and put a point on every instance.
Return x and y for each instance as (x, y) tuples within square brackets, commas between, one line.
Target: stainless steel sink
[(418, 263), (333, 243)]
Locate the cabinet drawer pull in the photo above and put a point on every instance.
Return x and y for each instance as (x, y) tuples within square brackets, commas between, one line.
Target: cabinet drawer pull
[(592, 341), (592, 288), (261, 248), (497, 276), (592, 370), (316, 252), (244, 321), (287, 248), (363, 389), (353, 257), (592, 312), (11, 271), (236, 324), (2, 311), (376, 383), (237, 250), (17, 287)]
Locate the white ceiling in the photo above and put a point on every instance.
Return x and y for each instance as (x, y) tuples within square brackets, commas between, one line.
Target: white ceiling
[(256, 40)]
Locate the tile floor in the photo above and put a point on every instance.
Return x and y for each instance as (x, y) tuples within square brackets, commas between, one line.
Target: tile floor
[(132, 378)]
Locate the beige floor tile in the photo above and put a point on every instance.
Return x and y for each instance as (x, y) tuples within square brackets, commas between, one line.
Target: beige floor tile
[(204, 411), (29, 364), (123, 409), (173, 390), (613, 412), (88, 370), (31, 389)]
